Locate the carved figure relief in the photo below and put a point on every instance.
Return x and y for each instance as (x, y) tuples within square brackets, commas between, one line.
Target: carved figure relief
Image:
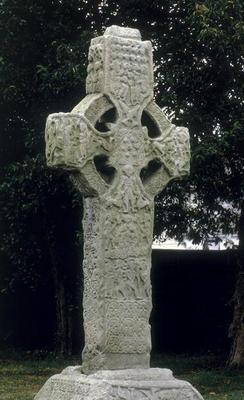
[(95, 73), (128, 279), (131, 393), (129, 66), (128, 194)]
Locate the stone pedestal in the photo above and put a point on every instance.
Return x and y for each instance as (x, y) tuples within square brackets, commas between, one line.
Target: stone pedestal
[(128, 384)]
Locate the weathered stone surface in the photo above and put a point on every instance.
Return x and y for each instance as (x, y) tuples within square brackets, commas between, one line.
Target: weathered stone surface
[(119, 170), (132, 384), (121, 151)]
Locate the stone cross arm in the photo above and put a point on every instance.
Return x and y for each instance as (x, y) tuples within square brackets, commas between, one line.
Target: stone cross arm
[(73, 143), (167, 151)]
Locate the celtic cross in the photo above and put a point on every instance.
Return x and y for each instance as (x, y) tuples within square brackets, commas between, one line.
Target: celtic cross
[(121, 151)]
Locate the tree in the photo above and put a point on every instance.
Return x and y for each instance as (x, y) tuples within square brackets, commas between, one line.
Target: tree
[(209, 99), (43, 53)]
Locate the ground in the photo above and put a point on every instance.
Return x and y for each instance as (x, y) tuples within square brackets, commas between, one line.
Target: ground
[(23, 374)]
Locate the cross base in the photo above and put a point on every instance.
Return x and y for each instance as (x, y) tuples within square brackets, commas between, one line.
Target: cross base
[(127, 384), (110, 361)]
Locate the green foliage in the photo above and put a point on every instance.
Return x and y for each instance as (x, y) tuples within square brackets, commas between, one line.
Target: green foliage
[(42, 69), (31, 198), (203, 67)]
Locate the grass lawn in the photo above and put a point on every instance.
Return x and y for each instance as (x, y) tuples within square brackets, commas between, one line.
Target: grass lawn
[(23, 374)]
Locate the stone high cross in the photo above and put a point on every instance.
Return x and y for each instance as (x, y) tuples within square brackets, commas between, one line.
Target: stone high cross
[(121, 151)]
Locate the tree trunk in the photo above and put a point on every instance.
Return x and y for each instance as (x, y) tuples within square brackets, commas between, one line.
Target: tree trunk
[(236, 331), (63, 336), (60, 339)]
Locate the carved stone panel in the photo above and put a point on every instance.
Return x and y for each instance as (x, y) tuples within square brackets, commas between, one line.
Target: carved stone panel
[(132, 384)]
